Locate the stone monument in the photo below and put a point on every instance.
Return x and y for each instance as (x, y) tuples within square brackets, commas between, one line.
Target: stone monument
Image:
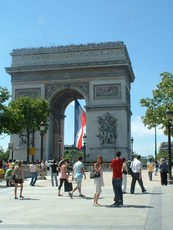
[(99, 73)]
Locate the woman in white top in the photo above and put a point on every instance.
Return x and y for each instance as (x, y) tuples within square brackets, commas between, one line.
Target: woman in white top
[(99, 180), (124, 175)]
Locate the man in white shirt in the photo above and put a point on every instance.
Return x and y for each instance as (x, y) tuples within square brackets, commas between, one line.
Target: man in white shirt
[(136, 167), (33, 170)]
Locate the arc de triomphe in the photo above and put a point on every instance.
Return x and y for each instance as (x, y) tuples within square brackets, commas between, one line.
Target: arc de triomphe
[(99, 73)]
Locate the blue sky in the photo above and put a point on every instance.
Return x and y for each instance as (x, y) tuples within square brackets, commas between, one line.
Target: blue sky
[(146, 27)]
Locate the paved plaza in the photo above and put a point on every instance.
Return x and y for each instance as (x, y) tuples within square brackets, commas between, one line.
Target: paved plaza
[(42, 209)]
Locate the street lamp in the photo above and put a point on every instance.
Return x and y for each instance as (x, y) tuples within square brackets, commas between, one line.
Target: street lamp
[(42, 130), (155, 151), (84, 142), (169, 115), (132, 141), (59, 154), (11, 146)]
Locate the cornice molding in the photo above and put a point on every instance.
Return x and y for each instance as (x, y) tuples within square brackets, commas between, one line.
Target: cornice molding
[(71, 47)]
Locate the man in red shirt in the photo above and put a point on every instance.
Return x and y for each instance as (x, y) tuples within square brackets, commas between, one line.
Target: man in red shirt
[(116, 166)]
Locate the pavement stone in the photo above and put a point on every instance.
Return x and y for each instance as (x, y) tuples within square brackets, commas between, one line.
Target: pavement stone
[(41, 208)]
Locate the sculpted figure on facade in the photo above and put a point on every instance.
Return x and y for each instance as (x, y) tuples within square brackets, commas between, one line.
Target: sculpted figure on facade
[(107, 129)]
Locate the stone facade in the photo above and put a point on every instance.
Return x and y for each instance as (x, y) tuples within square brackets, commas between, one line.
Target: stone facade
[(99, 73)]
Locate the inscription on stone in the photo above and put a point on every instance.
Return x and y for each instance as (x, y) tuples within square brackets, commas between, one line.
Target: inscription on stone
[(107, 91), (29, 92)]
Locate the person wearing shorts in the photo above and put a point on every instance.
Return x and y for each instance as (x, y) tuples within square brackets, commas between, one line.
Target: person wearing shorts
[(18, 179), (77, 175)]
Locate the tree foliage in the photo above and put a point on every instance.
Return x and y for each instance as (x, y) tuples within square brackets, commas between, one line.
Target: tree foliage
[(161, 101), (162, 154), (4, 96), (25, 115), (73, 155), (4, 155)]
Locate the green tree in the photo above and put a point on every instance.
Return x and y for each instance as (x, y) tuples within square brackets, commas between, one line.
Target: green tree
[(73, 155), (24, 116), (162, 154), (161, 101), (4, 155), (4, 96)]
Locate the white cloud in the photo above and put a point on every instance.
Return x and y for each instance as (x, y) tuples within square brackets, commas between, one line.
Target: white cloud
[(139, 129)]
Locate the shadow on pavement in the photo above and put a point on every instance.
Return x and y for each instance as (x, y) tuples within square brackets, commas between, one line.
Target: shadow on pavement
[(127, 206), (3, 186), (154, 193), (29, 199), (85, 197), (88, 198), (149, 193)]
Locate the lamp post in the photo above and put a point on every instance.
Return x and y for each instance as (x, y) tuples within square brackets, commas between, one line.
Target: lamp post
[(42, 129), (84, 142), (155, 151), (169, 115), (131, 141), (59, 153), (11, 146)]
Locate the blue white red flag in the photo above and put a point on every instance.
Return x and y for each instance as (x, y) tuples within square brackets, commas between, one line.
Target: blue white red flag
[(80, 122)]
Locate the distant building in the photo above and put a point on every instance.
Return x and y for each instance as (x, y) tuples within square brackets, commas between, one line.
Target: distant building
[(164, 147), (150, 157)]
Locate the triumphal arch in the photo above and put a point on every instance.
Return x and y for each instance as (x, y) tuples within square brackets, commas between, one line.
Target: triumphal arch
[(99, 73)]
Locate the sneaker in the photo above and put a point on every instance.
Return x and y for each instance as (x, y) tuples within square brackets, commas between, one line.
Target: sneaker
[(81, 195), (70, 195), (144, 191), (16, 198), (21, 197)]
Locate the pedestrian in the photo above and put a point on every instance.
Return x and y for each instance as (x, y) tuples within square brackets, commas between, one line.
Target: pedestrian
[(150, 168), (99, 180), (8, 175), (54, 173), (63, 175), (77, 175), (47, 166), (33, 170), (163, 172), (156, 167), (136, 167), (43, 170), (2, 172), (18, 179), (124, 175), (116, 166)]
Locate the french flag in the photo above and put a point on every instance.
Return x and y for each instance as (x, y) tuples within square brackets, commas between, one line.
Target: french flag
[(80, 122)]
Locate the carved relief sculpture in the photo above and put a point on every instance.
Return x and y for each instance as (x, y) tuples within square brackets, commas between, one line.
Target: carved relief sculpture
[(107, 129)]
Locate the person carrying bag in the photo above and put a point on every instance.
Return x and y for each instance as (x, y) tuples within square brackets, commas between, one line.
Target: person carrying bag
[(98, 179)]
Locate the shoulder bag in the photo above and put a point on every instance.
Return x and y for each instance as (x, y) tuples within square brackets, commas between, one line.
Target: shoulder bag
[(94, 174)]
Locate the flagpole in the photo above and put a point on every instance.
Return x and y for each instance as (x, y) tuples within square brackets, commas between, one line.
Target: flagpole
[(74, 120)]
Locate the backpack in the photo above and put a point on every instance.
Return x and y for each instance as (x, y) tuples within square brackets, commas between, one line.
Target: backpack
[(164, 167), (130, 172)]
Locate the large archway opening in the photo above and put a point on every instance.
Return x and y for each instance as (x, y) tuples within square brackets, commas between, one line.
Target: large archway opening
[(61, 130)]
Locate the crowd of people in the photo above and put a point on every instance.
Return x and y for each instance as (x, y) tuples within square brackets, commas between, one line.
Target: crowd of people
[(13, 173)]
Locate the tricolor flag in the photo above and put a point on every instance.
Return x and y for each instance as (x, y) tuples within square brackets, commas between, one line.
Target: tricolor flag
[(80, 122)]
